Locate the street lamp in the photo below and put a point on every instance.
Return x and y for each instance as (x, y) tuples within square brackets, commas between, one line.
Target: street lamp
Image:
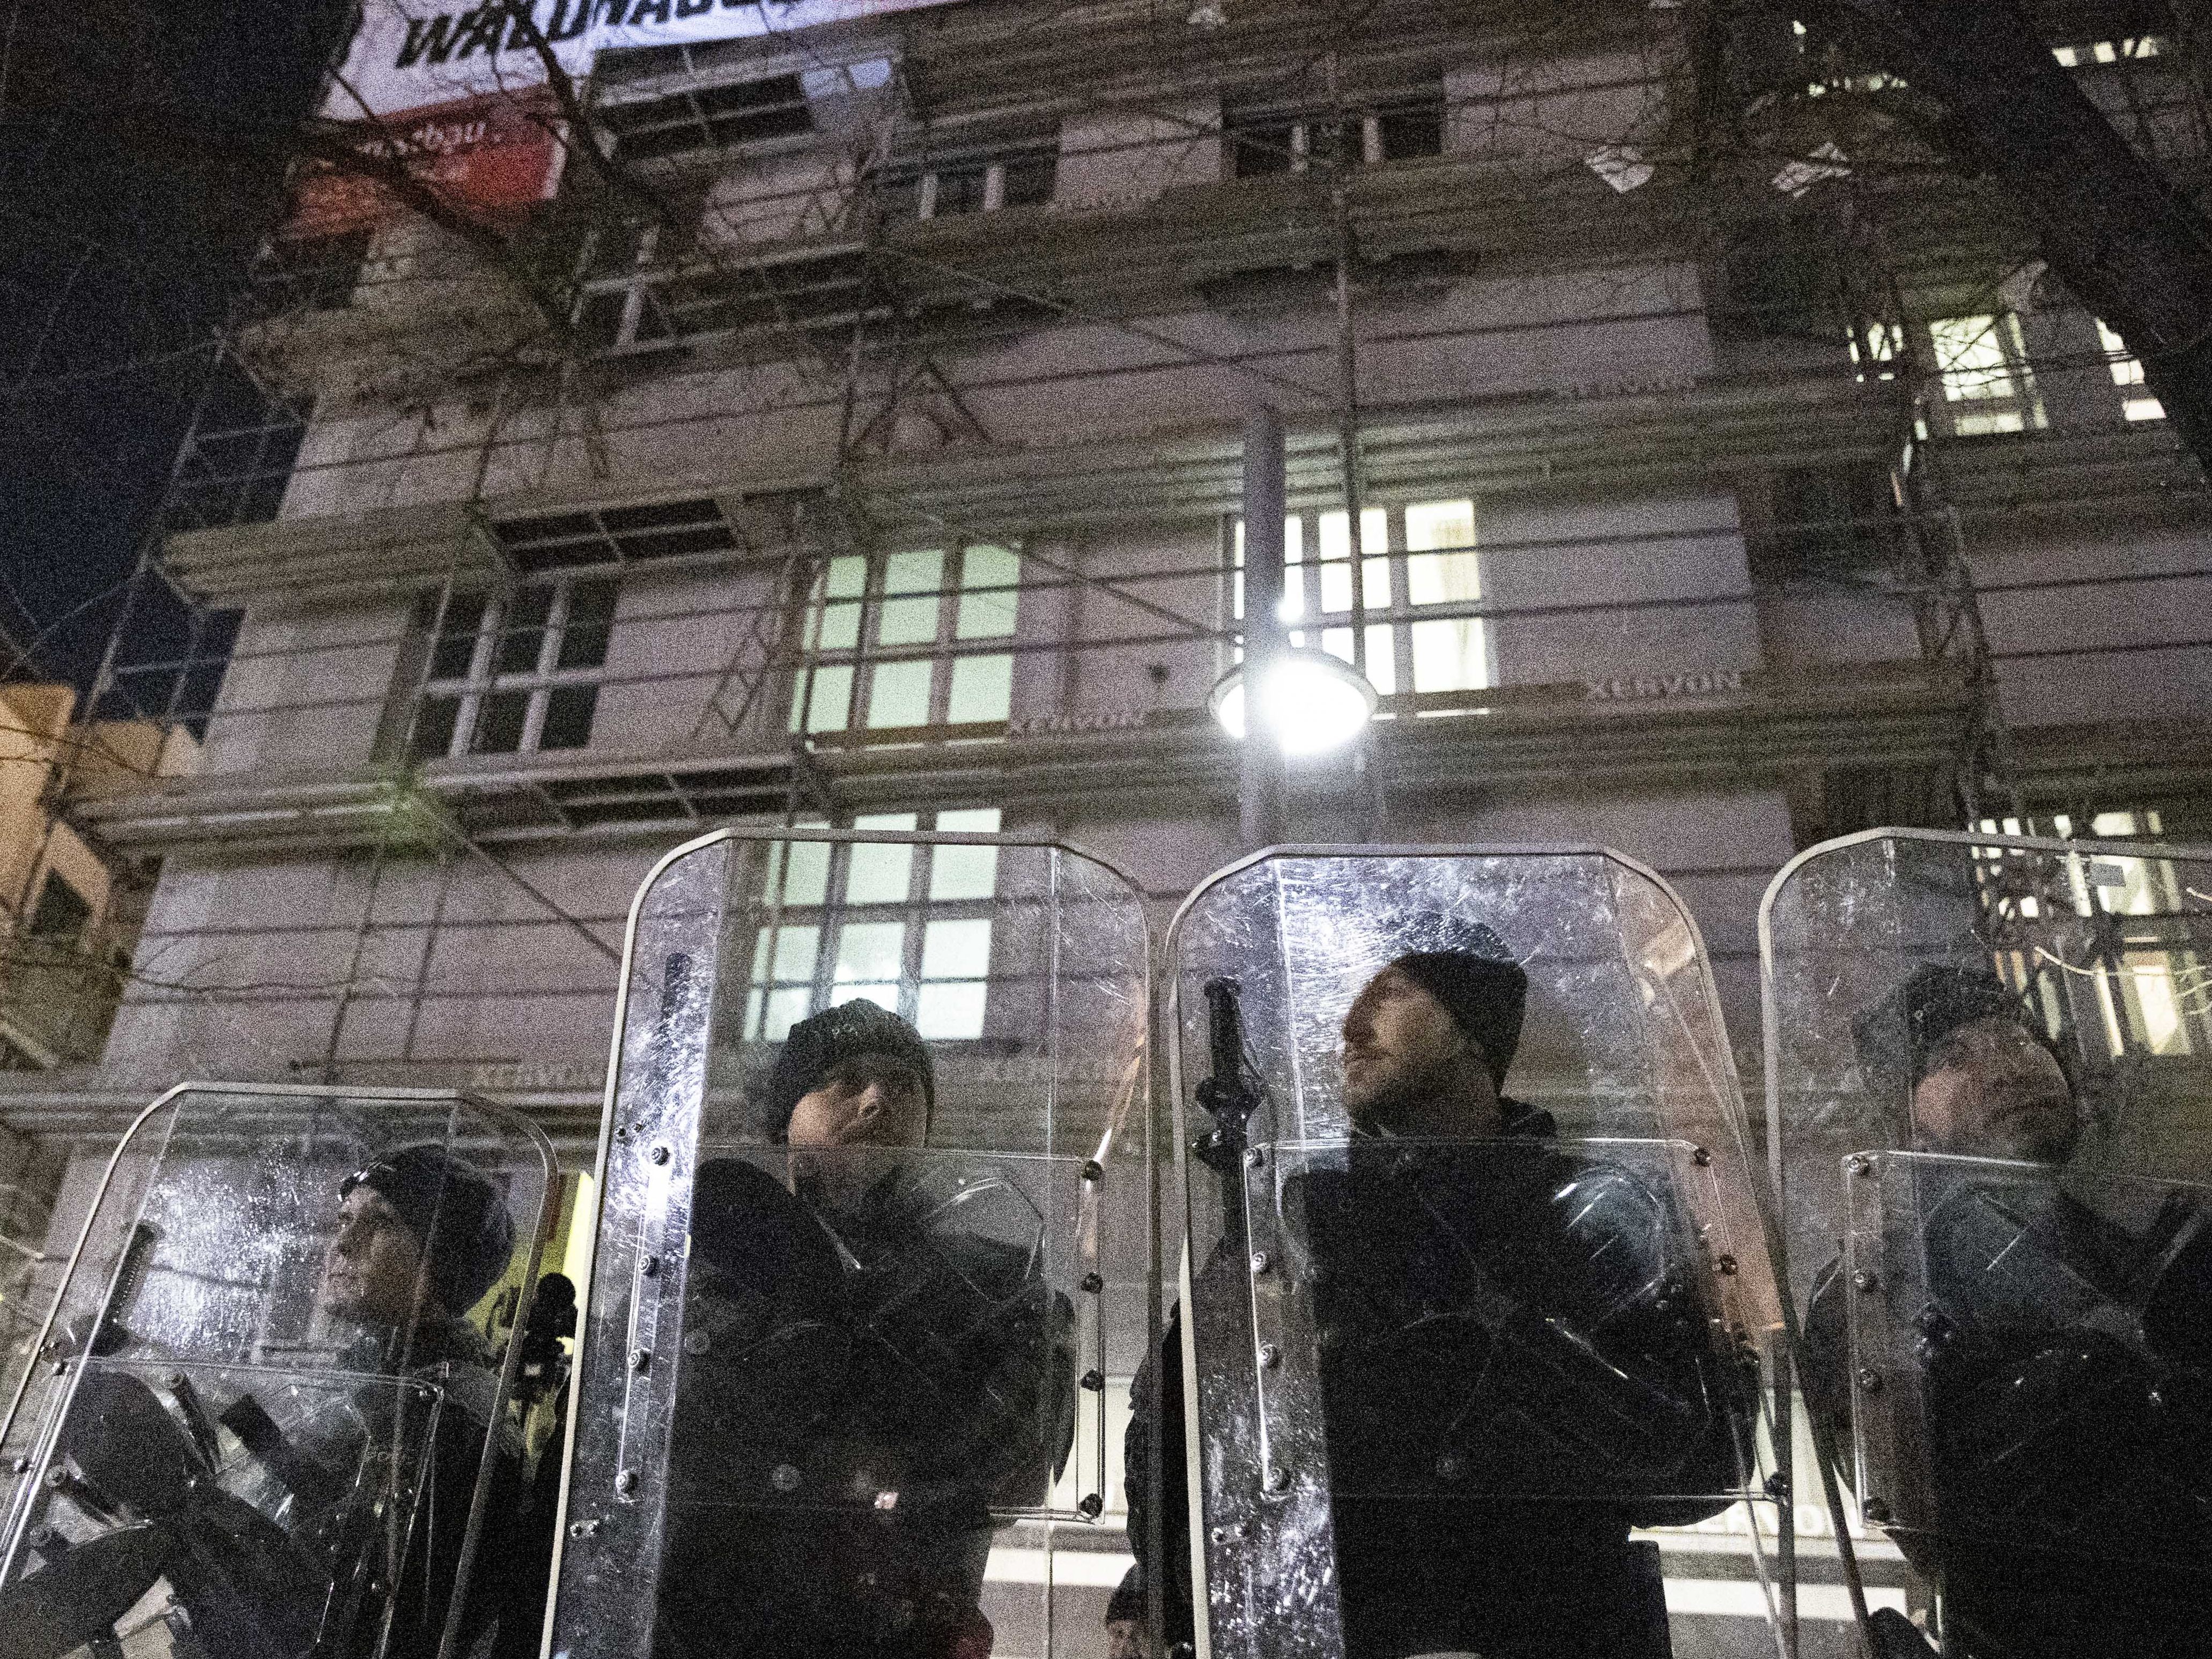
[(1308, 701)]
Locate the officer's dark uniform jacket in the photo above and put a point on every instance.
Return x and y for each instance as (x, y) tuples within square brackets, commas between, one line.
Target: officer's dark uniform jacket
[(2067, 1368), (861, 1385), (1515, 1323), (334, 1525)]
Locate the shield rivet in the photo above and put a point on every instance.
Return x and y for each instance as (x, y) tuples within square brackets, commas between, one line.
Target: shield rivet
[(1870, 1381), (659, 1154), (1270, 1355), (1259, 1262), (1863, 1280), (1278, 1480), (626, 1482)]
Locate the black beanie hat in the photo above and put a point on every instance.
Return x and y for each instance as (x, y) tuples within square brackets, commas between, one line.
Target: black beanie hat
[(1465, 966), (1897, 1035), (456, 1215), (813, 1046)]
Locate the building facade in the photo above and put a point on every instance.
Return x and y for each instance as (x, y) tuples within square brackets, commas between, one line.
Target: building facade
[(880, 467)]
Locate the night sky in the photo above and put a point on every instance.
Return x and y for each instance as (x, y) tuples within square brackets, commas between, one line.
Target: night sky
[(142, 160)]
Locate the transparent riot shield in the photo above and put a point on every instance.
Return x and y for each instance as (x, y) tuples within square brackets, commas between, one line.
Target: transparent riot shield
[(269, 1411), (873, 1261), (1988, 1065), (1477, 1307)]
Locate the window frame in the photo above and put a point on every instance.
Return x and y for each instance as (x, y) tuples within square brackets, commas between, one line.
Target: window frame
[(924, 179), (863, 661), (1240, 126), (1307, 622), (1971, 412), (774, 996), (472, 690), (687, 112)]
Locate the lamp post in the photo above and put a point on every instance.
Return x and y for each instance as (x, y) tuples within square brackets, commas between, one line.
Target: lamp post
[(1259, 773), (1278, 700)]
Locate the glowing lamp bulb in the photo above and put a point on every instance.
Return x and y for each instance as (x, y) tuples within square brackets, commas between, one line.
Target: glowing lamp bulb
[(1308, 701)]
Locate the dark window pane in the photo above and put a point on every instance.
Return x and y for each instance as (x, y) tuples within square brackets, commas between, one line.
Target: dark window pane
[(1331, 142), (499, 723), (600, 323), (558, 526), (960, 190), (524, 629), (569, 717), (562, 556), (61, 912), (1418, 130), (774, 108), (659, 517), (584, 641), (668, 544), (899, 198), (654, 322), (1262, 148), (1029, 179), (457, 641), (434, 728)]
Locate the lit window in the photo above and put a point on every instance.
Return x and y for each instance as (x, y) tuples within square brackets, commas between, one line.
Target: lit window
[(2151, 977), (2127, 375), (1421, 581), (514, 673), (907, 928), (1984, 366), (903, 641)]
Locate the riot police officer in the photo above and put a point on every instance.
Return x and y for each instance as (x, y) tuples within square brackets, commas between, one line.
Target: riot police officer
[(297, 1524), (1515, 1366), (423, 1236), (2066, 1359), (876, 1363)]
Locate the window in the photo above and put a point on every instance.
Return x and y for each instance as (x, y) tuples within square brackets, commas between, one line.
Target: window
[(61, 912), (615, 535), (235, 464), (707, 117), (2150, 997), (906, 926), (308, 273), (1264, 142), (901, 640), (514, 673), (637, 298), (1986, 383), (1421, 580), (979, 183), (2136, 404), (2108, 52)]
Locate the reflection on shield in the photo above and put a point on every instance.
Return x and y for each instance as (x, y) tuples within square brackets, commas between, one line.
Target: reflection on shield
[(1986, 1070), (259, 1429), (1444, 1373), (845, 1379)]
